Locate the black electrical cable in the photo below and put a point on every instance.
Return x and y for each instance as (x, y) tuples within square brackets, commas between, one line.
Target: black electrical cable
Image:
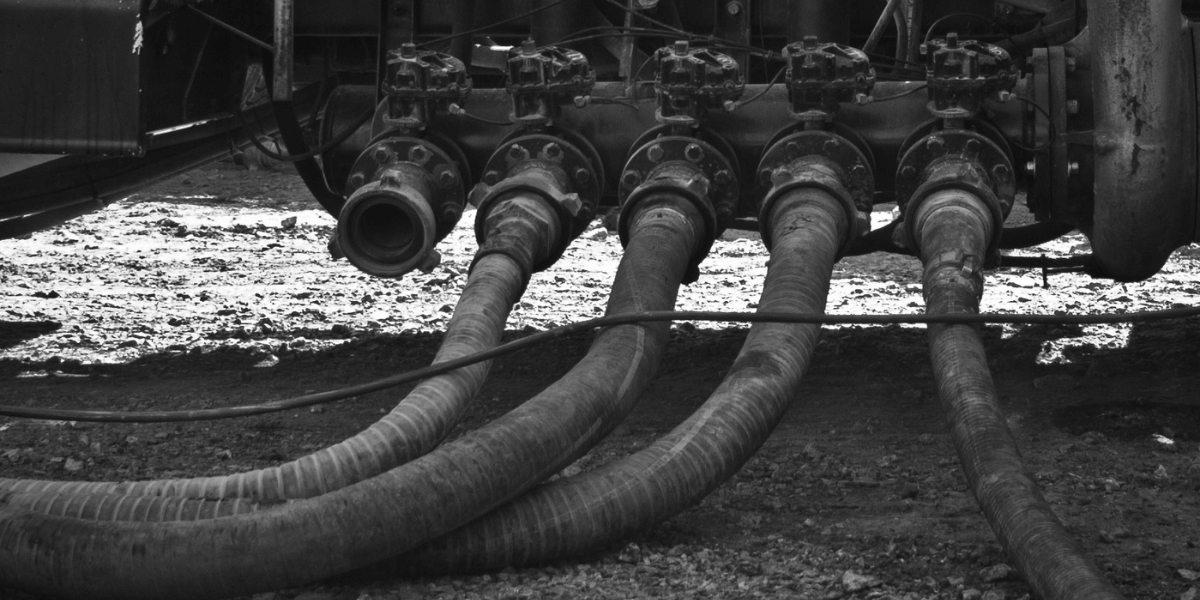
[(1080, 262), (626, 102), (645, 17), (496, 24), (1049, 122), (774, 80), (933, 25), (231, 29), (901, 94), (338, 139), (459, 111), (542, 337), (308, 169)]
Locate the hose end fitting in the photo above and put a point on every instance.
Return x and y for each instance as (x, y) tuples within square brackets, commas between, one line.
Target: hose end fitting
[(559, 169), (387, 228), (693, 168), (824, 160), (958, 159), (407, 195)]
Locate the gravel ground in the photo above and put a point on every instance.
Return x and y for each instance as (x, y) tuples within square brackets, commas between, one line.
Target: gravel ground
[(215, 288)]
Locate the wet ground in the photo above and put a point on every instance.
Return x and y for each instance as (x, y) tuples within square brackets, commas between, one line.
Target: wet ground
[(216, 289)]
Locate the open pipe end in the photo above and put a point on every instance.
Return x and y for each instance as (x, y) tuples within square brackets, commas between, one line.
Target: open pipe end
[(387, 230)]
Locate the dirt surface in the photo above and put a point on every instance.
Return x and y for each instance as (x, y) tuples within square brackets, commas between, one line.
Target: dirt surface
[(216, 289)]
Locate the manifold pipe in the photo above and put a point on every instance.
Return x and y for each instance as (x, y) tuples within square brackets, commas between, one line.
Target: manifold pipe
[(364, 523), (581, 513), (517, 238), (952, 230)]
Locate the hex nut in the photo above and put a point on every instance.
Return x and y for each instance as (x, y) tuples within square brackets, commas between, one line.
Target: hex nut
[(418, 154)]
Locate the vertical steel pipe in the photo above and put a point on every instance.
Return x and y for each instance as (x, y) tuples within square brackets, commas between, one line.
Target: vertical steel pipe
[(285, 19), (822, 18), (952, 230), (1145, 135)]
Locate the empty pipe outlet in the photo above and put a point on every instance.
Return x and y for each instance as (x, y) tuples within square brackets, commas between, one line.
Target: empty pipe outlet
[(387, 227)]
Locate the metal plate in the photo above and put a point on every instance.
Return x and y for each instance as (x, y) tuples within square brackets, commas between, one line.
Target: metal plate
[(71, 77)]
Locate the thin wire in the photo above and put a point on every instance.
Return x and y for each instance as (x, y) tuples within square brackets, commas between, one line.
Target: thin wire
[(334, 141), (578, 327), (901, 94), (1049, 121), (496, 24), (933, 25), (459, 111), (232, 29), (627, 102), (770, 85), (615, 31), (645, 17)]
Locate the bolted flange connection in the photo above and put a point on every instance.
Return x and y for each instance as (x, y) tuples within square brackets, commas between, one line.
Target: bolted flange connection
[(407, 194), (691, 81), (559, 167), (955, 159), (540, 80), (961, 75), (824, 160), (690, 167), (821, 76), (419, 83)]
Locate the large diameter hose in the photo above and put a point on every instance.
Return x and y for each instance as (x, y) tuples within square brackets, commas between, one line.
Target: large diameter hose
[(410, 430), (577, 514), (953, 228), (364, 523)]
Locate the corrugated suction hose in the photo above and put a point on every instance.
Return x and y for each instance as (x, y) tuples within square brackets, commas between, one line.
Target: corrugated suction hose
[(581, 513), (952, 231), (415, 426), (364, 523)]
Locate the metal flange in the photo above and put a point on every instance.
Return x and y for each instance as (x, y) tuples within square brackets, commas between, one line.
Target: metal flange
[(956, 144), (691, 168), (824, 160), (961, 159), (445, 176), (706, 157), (560, 167)]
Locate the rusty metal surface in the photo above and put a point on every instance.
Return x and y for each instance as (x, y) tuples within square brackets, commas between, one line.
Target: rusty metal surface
[(1145, 136), (70, 75)]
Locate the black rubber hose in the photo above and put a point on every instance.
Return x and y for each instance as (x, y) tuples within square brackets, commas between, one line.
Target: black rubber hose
[(577, 514), (1034, 234), (415, 426), (953, 228), (362, 524), (1024, 236), (310, 172)]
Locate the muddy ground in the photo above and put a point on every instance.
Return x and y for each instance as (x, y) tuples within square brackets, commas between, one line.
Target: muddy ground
[(216, 288)]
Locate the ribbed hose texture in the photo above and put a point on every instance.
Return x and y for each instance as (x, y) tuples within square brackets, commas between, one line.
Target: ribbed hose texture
[(364, 523), (574, 515), (415, 426), (1051, 561)]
